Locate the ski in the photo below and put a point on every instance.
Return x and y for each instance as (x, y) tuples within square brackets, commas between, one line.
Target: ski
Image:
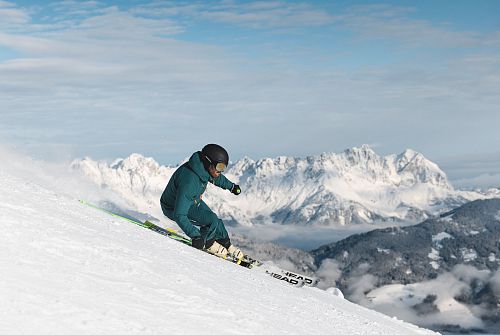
[(289, 277)]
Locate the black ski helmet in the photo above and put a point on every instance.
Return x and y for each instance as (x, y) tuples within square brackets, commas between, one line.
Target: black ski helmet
[(214, 154)]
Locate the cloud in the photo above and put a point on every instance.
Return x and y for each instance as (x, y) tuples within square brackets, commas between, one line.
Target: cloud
[(377, 21), (84, 67), (329, 272), (439, 301), (359, 287), (266, 15), (390, 22), (97, 72), (474, 170), (468, 274), (484, 181), (495, 283), (305, 237), (260, 15), (118, 64), (12, 18), (115, 23), (361, 284), (77, 8)]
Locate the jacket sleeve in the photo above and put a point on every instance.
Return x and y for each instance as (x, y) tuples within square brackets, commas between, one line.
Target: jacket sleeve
[(183, 202), (223, 182)]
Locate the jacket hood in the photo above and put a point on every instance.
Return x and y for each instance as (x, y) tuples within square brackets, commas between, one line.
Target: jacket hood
[(196, 165)]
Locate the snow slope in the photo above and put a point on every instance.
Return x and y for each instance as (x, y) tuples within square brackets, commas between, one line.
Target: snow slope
[(69, 269)]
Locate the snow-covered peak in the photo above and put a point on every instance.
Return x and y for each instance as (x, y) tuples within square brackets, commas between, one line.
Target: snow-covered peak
[(361, 155), (136, 162), (408, 155), (137, 179), (417, 168), (243, 163)]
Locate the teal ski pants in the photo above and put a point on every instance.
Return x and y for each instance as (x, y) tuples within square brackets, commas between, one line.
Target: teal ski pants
[(211, 227)]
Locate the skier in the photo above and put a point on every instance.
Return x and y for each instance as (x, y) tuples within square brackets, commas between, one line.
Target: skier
[(182, 200)]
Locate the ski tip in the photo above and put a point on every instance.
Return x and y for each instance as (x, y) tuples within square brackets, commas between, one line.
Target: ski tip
[(313, 282)]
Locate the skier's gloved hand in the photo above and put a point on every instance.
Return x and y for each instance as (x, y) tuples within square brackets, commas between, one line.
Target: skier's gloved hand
[(236, 189), (197, 242)]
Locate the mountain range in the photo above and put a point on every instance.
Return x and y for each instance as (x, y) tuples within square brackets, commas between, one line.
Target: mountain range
[(331, 189)]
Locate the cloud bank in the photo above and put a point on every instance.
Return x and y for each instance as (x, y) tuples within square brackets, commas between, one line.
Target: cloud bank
[(162, 78), (434, 303)]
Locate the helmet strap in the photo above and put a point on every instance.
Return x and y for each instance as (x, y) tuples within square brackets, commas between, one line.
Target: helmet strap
[(206, 161)]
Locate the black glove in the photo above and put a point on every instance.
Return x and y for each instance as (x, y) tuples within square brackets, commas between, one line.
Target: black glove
[(197, 242), (236, 189)]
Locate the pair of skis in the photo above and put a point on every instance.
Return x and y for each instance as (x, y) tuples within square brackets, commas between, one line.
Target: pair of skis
[(292, 278)]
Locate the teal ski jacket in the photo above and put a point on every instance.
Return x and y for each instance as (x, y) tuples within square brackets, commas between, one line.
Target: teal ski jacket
[(185, 189)]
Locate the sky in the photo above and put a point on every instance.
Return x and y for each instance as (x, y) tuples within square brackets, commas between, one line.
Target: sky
[(105, 79)]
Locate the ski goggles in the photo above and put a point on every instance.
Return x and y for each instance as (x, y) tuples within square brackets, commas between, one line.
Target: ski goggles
[(219, 167)]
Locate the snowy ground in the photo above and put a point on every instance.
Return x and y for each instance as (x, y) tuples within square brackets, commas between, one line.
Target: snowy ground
[(69, 269)]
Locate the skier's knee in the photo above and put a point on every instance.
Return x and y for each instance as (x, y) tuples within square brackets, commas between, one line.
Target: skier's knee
[(214, 220)]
